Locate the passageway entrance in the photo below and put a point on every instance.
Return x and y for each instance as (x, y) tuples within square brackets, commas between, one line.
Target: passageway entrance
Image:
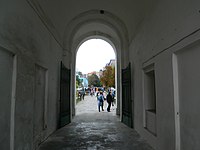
[(96, 70)]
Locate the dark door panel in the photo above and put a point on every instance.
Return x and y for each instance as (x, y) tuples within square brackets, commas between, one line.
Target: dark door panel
[(64, 96), (126, 96)]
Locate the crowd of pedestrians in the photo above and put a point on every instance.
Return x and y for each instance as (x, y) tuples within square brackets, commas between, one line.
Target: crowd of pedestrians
[(81, 94), (101, 96)]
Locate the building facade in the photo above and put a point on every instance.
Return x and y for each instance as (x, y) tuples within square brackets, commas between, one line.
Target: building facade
[(111, 63)]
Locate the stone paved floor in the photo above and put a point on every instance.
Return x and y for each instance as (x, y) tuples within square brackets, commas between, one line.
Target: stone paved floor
[(93, 130)]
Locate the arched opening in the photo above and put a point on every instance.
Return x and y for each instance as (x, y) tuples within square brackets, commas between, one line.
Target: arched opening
[(88, 25), (96, 69)]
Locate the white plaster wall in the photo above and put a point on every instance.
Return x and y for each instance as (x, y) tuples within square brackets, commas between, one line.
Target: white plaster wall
[(23, 33), (188, 84), (164, 27), (6, 71)]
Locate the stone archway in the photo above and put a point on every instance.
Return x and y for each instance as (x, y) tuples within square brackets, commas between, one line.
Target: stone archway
[(116, 65), (93, 24)]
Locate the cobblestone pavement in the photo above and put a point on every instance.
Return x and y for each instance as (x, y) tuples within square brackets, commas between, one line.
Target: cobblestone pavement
[(93, 130), (89, 105)]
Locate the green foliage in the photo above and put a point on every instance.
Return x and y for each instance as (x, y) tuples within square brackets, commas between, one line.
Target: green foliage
[(78, 81), (80, 73), (76, 84), (94, 80)]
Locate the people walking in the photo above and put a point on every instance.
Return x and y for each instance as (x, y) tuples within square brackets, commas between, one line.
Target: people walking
[(113, 97), (100, 99), (83, 93), (92, 92), (109, 101)]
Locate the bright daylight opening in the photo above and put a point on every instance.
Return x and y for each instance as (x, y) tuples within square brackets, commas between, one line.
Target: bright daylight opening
[(95, 77)]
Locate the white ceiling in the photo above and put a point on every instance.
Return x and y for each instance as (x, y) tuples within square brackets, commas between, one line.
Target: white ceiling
[(59, 13)]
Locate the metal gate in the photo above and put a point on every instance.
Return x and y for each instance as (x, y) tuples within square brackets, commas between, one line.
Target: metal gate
[(126, 96), (64, 96)]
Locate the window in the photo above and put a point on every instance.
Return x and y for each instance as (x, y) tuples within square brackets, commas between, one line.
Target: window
[(150, 99)]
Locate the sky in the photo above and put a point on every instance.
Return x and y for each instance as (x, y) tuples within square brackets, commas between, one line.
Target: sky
[(93, 55)]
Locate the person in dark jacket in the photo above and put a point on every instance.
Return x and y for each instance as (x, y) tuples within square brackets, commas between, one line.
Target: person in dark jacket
[(109, 101)]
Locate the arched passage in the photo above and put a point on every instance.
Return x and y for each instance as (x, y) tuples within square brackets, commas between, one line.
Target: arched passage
[(92, 56), (115, 46), (108, 27)]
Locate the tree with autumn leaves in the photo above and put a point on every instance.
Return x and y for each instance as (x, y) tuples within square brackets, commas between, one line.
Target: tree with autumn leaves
[(108, 77)]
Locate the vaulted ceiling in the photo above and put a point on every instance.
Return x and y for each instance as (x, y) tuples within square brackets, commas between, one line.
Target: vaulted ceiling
[(57, 14)]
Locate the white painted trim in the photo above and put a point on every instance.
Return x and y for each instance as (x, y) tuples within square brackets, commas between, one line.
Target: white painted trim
[(176, 101), (46, 99), (143, 99), (13, 99)]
